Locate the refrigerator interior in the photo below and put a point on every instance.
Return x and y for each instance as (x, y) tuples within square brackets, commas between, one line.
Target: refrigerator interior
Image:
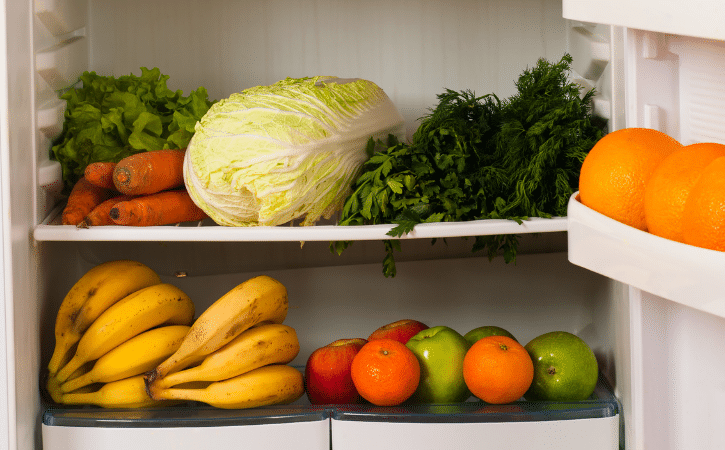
[(413, 50)]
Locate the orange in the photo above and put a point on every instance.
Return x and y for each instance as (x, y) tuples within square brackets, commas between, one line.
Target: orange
[(615, 171), (703, 222), (385, 372), (497, 369), (670, 184)]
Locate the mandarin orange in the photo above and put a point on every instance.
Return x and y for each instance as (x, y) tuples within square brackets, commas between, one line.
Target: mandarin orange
[(615, 172), (670, 185), (385, 372), (703, 222), (497, 369)]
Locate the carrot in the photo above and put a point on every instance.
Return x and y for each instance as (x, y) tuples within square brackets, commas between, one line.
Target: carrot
[(100, 174), (101, 214), (82, 199), (149, 172), (162, 208)]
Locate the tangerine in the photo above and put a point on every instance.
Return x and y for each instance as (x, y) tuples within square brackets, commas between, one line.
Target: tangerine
[(703, 223), (670, 185), (615, 171), (385, 372), (497, 369)]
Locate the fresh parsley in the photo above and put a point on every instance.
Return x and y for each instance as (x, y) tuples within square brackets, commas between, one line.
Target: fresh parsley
[(479, 157)]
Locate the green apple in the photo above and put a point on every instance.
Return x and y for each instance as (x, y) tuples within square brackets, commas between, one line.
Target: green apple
[(565, 368), (479, 333), (440, 351)]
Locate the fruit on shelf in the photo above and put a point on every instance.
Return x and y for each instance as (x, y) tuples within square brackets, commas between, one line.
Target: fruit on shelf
[(565, 368), (160, 304), (98, 289), (256, 300), (274, 384), (385, 372), (479, 333), (401, 330), (327, 373), (134, 357), (126, 393), (440, 350), (498, 370), (272, 343)]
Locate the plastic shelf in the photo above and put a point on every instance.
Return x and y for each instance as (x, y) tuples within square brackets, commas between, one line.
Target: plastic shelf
[(207, 230)]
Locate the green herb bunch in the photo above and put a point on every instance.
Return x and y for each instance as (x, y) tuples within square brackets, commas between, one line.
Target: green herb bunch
[(481, 158)]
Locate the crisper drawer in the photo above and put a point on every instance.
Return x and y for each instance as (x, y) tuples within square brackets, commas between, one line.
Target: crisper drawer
[(592, 424), (181, 428)]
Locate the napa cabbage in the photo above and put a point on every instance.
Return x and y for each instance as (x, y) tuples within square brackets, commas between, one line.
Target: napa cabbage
[(291, 150)]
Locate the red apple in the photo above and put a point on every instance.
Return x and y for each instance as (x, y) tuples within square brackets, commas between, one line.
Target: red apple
[(401, 331), (327, 373)]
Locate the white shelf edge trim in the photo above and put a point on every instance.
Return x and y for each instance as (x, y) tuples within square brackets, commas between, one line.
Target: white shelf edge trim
[(682, 273), (208, 231)]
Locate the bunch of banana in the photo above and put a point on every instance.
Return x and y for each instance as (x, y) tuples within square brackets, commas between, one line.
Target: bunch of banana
[(116, 323), (244, 349)]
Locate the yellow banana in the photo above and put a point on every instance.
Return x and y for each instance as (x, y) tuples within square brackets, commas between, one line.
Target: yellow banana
[(275, 384), (133, 357), (256, 347), (93, 293), (161, 304), (259, 299), (127, 393)]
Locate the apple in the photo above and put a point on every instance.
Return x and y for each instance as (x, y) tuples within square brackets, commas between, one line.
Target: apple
[(440, 351), (400, 331), (479, 333), (565, 368), (327, 373)]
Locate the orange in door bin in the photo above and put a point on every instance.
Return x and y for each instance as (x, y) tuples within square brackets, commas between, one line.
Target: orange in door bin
[(615, 171), (385, 372), (668, 188), (703, 224), (497, 369)]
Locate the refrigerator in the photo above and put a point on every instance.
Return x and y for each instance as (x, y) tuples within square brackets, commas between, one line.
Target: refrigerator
[(652, 310)]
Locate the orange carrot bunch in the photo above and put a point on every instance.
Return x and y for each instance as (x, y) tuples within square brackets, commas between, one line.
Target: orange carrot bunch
[(144, 189)]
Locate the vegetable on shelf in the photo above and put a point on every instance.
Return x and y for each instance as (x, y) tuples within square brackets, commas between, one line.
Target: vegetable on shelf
[(162, 208), (108, 118), (273, 154), (481, 158), (100, 174), (101, 214), (82, 199), (149, 172)]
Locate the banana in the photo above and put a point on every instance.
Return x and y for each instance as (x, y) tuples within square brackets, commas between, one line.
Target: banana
[(161, 304), (275, 384), (133, 357), (256, 347), (259, 299), (93, 293), (126, 393)]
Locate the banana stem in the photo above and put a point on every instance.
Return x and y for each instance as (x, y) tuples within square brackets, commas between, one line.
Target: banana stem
[(67, 370), (77, 383), (197, 395), (62, 353)]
